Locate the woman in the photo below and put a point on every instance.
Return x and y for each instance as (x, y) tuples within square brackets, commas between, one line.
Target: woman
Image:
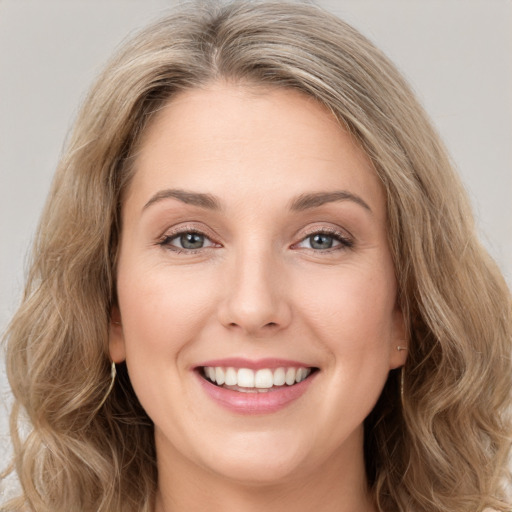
[(257, 284)]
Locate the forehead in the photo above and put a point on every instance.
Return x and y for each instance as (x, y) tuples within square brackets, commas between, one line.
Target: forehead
[(232, 137)]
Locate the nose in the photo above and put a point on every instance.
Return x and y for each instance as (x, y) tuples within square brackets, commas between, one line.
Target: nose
[(256, 296)]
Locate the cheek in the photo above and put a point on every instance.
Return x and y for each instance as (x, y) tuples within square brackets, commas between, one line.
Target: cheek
[(162, 309), (352, 316), (354, 308)]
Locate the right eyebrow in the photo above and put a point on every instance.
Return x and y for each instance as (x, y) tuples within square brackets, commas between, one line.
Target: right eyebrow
[(316, 199), (207, 201)]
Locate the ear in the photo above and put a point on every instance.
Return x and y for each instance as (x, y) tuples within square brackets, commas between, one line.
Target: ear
[(116, 345), (399, 340)]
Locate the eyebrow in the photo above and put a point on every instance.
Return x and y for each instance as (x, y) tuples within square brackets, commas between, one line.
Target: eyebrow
[(300, 203), (194, 198), (307, 201)]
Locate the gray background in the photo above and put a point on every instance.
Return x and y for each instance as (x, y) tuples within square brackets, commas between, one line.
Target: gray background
[(455, 53)]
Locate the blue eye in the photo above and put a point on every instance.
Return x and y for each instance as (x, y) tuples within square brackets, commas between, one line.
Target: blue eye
[(322, 241), (187, 241), (190, 240)]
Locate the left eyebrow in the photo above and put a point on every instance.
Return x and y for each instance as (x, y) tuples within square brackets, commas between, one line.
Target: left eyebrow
[(185, 196), (306, 201)]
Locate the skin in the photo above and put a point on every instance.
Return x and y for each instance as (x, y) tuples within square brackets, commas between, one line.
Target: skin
[(258, 288)]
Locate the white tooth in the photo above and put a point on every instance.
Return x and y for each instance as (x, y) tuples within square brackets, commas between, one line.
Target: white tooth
[(304, 372), (279, 377), (263, 378), (219, 375), (245, 377), (210, 371), (290, 376), (230, 377), (301, 374)]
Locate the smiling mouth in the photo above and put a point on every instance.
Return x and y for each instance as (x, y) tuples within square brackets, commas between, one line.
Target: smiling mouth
[(263, 380)]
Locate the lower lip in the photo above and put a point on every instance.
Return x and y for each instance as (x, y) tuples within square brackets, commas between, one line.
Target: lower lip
[(255, 403)]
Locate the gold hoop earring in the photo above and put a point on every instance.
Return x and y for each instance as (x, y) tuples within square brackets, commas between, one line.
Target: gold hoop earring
[(113, 373)]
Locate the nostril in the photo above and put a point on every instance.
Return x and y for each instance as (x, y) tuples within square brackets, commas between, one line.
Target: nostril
[(270, 324)]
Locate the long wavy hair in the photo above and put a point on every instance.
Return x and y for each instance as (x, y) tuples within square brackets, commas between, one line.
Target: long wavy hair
[(440, 445)]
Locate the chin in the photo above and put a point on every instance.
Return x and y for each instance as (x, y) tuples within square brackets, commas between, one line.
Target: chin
[(261, 459), (258, 470)]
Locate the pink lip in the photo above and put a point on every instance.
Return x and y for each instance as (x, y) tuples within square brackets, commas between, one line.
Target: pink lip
[(255, 403), (240, 362)]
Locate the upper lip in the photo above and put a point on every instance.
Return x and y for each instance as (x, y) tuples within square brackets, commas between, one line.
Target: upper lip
[(253, 364)]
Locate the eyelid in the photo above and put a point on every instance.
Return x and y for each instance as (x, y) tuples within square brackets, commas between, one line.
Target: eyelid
[(345, 239), (181, 229)]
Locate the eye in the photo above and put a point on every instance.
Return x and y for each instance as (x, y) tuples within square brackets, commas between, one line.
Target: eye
[(321, 241), (325, 241), (187, 241)]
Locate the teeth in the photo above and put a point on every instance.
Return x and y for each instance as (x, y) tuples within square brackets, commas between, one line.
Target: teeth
[(263, 379), (231, 377), (219, 376), (290, 376), (252, 380), (279, 377), (245, 378), (300, 376)]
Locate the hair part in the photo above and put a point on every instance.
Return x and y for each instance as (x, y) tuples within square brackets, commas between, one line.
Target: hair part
[(446, 449)]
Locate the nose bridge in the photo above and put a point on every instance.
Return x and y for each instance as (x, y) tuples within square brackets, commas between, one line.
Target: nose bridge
[(255, 299)]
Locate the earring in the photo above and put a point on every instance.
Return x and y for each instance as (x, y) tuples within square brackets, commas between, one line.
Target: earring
[(113, 374), (402, 372)]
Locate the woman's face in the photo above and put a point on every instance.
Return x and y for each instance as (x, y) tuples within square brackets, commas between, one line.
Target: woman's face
[(254, 254)]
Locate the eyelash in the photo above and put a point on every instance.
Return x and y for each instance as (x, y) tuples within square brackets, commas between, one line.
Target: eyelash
[(344, 241), (166, 240)]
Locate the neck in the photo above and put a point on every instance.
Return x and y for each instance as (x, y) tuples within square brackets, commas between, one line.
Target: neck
[(336, 485)]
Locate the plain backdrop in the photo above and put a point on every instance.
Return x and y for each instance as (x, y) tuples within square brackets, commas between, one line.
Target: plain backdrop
[(455, 53)]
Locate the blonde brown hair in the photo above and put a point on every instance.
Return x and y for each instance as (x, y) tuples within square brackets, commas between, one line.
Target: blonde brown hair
[(444, 449)]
